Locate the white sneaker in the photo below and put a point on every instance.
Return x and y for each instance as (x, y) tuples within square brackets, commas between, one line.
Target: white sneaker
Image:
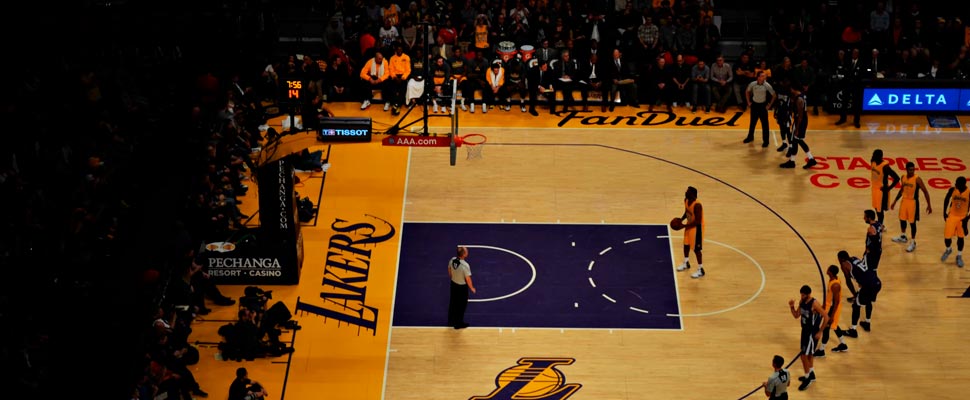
[(522, 107), (508, 107), (911, 247), (463, 108), (445, 110), (684, 266), (473, 108), (484, 108), (387, 106), (946, 254), (698, 274), (435, 109), (960, 260), (365, 104), (900, 239)]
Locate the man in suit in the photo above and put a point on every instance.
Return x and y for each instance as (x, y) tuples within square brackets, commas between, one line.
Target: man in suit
[(546, 53), (567, 71), (540, 81), (661, 82), (441, 49), (622, 79), (680, 79), (591, 77), (853, 88)]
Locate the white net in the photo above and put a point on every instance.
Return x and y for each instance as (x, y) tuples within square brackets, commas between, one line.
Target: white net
[(474, 150), (474, 145)]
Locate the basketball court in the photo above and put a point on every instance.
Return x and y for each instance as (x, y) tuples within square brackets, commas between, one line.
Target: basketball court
[(578, 297)]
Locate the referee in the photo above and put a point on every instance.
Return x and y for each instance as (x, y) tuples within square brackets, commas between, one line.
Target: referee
[(759, 102), (461, 281)]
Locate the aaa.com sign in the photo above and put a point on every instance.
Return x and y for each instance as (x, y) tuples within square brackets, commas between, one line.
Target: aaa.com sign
[(916, 99), (826, 174)]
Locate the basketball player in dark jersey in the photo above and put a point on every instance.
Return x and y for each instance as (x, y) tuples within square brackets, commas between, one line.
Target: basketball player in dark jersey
[(782, 111), (813, 317), (799, 128), (873, 251), (856, 269)]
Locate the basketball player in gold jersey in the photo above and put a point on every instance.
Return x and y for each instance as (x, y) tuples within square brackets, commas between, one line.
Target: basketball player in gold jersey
[(881, 171), (956, 206), (693, 231), (833, 307), (909, 208)]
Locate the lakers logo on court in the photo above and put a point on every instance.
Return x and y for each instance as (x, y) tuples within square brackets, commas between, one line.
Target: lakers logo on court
[(533, 378)]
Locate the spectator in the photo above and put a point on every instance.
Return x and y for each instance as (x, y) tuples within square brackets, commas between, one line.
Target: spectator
[(681, 79), (334, 33), (661, 83), (622, 79), (340, 76), (239, 387), (700, 77), (388, 35), (743, 75), (805, 77), (879, 20), (708, 40), (722, 83)]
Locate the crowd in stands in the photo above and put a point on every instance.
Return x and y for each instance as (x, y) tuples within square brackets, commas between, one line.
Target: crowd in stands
[(381, 45), (118, 162)]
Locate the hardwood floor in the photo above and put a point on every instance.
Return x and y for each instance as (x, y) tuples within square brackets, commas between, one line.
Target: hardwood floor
[(768, 232)]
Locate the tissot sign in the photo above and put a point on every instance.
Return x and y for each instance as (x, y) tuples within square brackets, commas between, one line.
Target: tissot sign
[(916, 99), (345, 130)]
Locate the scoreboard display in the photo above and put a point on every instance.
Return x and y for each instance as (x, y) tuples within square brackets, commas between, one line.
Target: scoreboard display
[(292, 91)]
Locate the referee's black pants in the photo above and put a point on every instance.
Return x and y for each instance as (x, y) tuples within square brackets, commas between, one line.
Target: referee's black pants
[(457, 304), (759, 112)]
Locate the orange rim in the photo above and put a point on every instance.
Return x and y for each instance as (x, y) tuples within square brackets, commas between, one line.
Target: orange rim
[(477, 139)]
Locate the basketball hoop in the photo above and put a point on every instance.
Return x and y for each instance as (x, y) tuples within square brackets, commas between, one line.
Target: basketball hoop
[(474, 144)]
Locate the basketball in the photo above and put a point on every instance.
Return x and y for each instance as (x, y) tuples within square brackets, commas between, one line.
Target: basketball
[(676, 224)]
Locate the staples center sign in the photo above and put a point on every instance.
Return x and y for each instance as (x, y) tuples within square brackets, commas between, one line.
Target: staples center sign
[(826, 174), (915, 99)]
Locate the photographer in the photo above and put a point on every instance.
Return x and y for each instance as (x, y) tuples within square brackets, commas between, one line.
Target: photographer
[(242, 388), (245, 338)]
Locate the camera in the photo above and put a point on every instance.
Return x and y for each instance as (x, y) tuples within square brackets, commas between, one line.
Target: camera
[(255, 298)]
